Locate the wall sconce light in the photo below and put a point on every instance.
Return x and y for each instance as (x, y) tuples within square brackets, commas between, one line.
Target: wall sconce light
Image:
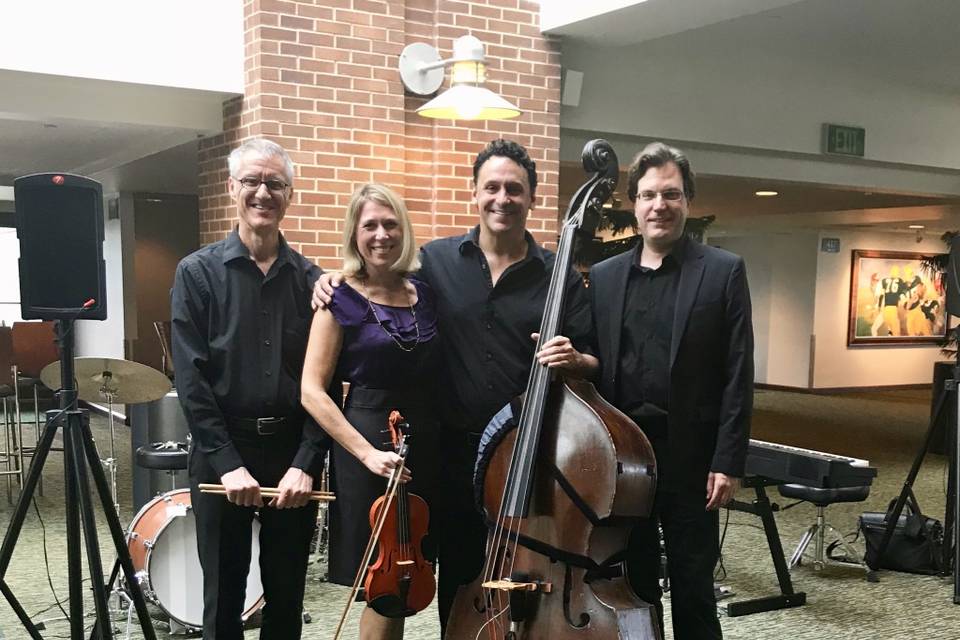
[(421, 70)]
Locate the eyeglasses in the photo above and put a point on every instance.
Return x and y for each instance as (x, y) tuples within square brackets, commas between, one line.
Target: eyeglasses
[(670, 194), (272, 184)]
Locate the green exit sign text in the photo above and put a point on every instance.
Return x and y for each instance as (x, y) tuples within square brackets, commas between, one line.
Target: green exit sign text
[(845, 141)]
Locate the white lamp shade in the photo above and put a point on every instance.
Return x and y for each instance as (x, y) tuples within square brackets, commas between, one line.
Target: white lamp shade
[(468, 102)]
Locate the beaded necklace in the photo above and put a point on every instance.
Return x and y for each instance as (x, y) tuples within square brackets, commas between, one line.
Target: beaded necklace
[(394, 337)]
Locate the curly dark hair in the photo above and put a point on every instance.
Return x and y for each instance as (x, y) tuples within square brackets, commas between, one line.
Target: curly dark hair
[(657, 154), (507, 149)]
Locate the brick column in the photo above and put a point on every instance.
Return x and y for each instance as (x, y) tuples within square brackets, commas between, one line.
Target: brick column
[(322, 80)]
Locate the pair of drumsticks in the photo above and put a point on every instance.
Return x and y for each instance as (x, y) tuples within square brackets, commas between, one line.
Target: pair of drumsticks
[(268, 492)]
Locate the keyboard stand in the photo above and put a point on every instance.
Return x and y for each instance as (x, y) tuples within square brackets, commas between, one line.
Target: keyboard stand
[(764, 509)]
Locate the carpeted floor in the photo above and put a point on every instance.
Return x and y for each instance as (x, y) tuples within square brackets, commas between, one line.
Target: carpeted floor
[(885, 428)]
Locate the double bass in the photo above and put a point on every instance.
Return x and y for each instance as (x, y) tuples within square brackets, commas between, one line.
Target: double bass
[(562, 477)]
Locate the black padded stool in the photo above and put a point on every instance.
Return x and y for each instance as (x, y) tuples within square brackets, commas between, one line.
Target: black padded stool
[(821, 499), (164, 456)]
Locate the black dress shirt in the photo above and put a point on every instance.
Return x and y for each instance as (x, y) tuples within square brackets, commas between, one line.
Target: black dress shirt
[(239, 339), (649, 303), (486, 328)]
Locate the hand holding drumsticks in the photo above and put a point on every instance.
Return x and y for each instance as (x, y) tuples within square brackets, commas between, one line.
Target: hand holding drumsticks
[(270, 492)]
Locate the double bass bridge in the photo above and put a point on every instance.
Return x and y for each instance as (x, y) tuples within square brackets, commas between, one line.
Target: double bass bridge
[(506, 584)]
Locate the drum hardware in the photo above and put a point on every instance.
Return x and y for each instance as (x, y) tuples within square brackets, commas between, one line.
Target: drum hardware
[(322, 531), (116, 382), (81, 461)]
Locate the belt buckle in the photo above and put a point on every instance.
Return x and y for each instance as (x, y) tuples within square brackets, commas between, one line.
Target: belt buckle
[(265, 426)]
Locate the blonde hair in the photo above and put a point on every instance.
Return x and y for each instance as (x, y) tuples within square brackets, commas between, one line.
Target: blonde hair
[(353, 265)]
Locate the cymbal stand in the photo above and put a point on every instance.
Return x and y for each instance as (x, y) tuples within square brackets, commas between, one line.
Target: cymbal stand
[(108, 393), (321, 546), (117, 591)]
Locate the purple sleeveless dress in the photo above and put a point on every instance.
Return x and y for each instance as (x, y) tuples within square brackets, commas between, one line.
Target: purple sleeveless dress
[(390, 357)]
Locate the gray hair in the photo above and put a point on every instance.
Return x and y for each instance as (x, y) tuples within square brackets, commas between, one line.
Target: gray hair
[(263, 148), (657, 154)]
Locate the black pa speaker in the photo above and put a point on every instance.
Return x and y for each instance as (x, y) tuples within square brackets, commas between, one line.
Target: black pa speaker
[(953, 278), (60, 227)]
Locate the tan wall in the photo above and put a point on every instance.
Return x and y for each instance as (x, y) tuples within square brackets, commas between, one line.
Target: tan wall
[(322, 80)]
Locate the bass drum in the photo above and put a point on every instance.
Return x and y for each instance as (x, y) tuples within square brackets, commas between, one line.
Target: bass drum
[(162, 541)]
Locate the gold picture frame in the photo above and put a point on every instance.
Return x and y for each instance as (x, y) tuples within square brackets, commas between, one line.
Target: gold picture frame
[(894, 301)]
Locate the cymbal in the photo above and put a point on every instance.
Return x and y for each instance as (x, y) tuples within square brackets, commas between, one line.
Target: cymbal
[(100, 379)]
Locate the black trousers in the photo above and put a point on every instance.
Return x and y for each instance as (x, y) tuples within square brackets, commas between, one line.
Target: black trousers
[(224, 538), (692, 547), (457, 525)]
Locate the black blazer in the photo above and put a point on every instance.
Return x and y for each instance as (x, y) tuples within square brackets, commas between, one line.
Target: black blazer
[(711, 357)]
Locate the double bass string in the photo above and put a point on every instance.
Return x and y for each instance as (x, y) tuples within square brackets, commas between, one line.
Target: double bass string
[(541, 374), (516, 500), (528, 433)]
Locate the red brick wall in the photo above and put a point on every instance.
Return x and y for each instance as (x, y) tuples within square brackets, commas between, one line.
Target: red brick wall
[(322, 80)]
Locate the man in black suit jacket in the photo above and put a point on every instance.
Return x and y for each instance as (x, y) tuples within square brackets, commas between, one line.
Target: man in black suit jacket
[(675, 341)]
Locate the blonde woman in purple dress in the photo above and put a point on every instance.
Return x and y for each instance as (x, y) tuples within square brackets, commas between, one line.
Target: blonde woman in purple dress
[(378, 333)]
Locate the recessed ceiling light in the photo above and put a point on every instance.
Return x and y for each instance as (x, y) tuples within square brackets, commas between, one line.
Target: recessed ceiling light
[(766, 194), (916, 226)]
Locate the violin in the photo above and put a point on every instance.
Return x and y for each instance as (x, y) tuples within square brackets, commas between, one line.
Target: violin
[(562, 486), (400, 582)]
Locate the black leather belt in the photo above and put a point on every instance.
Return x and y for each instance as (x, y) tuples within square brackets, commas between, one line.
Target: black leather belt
[(268, 426)]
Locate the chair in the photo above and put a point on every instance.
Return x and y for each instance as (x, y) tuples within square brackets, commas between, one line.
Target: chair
[(34, 347), (11, 454), (817, 532)]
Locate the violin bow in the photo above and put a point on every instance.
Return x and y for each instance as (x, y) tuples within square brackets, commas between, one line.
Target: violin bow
[(392, 485)]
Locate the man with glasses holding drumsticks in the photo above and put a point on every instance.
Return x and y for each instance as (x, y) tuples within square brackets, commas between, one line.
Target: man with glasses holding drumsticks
[(240, 318)]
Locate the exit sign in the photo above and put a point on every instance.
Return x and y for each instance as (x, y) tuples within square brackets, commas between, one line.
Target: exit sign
[(844, 141)]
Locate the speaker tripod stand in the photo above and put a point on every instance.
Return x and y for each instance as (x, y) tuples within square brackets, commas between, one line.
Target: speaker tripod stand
[(80, 457)]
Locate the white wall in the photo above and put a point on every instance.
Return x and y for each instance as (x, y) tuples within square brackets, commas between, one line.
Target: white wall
[(106, 337), (175, 43), (684, 88), (836, 364), (9, 276), (781, 272)]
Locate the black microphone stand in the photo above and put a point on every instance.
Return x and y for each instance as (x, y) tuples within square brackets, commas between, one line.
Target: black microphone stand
[(80, 456)]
